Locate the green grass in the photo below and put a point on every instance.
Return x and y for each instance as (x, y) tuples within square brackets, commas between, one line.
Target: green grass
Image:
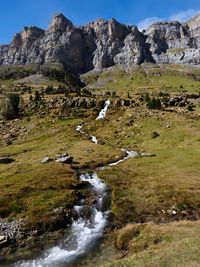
[(150, 189), (176, 50), (172, 244), (145, 190), (153, 78), (31, 189), (144, 186)]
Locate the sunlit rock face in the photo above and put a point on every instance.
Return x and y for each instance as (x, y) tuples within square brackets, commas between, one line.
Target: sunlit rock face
[(101, 44), (174, 42)]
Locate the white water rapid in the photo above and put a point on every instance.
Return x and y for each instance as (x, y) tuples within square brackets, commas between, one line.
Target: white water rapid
[(102, 113), (91, 222)]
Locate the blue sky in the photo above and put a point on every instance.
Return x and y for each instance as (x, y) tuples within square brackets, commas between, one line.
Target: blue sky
[(15, 14)]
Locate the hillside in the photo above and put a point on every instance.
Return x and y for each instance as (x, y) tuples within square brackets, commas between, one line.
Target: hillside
[(155, 195)]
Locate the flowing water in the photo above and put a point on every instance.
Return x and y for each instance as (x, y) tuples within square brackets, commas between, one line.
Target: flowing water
[(102, 113), (87, 230)]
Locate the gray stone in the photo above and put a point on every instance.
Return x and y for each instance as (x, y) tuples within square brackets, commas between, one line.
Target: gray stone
[(46, 160), (62, 156), (89, 150), (66, 160), (3, 239)]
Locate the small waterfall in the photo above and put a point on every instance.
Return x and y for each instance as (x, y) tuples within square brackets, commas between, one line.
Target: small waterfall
[(102, 113)]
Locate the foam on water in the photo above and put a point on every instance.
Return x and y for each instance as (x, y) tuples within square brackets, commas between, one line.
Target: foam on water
[(97, 184), (94, 139), (129, 154)]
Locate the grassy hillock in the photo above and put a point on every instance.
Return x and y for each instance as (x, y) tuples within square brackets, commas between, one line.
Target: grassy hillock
[(154, 78)]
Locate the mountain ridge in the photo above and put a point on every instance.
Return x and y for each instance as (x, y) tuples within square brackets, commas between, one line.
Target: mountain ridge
[(104, 43)]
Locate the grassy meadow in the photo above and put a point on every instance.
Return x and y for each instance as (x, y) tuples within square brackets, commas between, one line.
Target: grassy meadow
[(155, 215)]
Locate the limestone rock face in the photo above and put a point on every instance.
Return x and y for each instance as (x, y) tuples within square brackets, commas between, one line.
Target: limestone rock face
[(109, 41), (59, 24), (101, 44), (174, 42)]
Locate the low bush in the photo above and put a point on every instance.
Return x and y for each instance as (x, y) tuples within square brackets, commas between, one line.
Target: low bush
[(155, 135)]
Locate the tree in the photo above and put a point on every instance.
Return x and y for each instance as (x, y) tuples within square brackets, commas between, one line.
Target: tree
[(154, 103), (10, 107), (49, 89), (147, 97), (66, 92), (31, 98), (78, 91), (37, 97), (158, 103)]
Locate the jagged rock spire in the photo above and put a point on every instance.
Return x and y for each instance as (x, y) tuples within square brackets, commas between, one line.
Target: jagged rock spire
[(59, 23)]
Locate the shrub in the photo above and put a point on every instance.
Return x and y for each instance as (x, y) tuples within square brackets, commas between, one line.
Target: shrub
[(155, 135), (190, 108), (113, 93), (9, 143)]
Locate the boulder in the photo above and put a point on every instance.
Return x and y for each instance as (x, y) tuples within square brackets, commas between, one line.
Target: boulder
[(46, 160), (66, 160), (3, 240), (62, 156)]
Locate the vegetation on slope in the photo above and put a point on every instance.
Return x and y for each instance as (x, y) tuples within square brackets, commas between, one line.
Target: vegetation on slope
[(146, 190)]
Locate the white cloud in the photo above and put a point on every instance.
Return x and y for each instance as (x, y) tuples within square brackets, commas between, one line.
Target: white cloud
[(183, 16), (147, 22)]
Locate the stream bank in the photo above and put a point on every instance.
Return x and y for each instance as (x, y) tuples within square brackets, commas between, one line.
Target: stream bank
[(88, 226)]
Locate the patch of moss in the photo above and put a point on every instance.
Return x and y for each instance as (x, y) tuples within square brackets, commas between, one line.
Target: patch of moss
[(176, 50)]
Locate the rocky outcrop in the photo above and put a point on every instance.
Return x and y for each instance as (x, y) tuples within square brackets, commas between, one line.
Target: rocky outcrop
[(174, 42), (10, 232), (101, 44)]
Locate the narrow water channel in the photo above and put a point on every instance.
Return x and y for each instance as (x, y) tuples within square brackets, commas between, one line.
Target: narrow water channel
[(92, 219)]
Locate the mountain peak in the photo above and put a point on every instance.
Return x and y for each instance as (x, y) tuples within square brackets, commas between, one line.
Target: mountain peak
[(59, 23)]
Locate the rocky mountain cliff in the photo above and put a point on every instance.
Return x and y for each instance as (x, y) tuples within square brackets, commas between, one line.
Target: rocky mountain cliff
[(103, 43)]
